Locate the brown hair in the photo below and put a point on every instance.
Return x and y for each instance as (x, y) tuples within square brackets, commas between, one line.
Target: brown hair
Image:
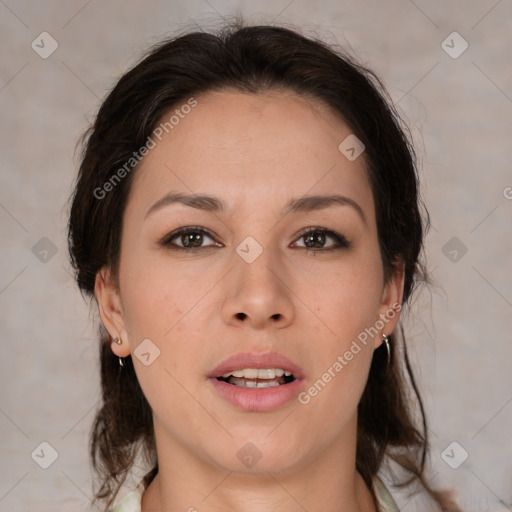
[(251, 59)]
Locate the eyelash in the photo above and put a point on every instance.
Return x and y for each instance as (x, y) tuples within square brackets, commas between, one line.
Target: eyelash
[(341, 241)]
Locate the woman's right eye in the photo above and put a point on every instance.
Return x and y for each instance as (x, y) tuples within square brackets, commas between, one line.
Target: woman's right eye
[(189, 238)]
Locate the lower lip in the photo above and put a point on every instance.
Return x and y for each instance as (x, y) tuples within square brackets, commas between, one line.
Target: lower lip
[(258, 399)]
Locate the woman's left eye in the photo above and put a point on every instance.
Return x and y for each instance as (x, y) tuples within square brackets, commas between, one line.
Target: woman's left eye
[(315, 238)]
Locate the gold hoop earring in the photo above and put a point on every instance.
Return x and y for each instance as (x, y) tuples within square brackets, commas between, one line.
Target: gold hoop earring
[(385, 340)]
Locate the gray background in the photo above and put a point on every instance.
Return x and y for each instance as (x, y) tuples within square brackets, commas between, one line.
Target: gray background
[(460, 112)]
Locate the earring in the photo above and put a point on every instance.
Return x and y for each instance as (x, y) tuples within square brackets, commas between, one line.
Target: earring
[(118, 340), (385, 340)]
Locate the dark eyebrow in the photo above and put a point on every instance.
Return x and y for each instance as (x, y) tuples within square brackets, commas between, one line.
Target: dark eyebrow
[(311, 203), (214, 204), (199, 201)]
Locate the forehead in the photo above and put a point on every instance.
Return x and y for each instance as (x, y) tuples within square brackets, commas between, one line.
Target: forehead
[(239, 146), (240, 123)]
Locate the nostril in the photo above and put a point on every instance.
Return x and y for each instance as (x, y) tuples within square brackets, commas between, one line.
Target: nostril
[(242, 316)]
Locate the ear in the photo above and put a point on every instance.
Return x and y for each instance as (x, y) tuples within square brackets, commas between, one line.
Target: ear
[(391, 303), (111, 311)]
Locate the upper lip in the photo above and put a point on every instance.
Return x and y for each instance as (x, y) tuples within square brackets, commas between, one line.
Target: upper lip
[(253, 360)]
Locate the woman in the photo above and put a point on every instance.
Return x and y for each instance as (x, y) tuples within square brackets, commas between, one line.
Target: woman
[(247, 218)]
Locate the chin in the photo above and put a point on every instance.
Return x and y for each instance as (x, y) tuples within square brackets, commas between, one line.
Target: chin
[(260, 455)]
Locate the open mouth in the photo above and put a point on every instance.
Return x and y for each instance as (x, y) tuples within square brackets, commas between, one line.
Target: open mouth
[(257, 378)]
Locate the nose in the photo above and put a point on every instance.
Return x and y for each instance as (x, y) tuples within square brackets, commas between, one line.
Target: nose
[(258, 294)]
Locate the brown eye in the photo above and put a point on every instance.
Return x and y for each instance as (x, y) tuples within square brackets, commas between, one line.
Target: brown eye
[(316, 238), (188, 238)]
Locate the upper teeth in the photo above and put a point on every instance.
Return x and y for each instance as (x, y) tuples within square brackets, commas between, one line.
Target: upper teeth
[(258, 373)]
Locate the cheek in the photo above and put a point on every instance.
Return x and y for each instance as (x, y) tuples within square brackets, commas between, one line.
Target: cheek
[(156, 297), (162, 303), (157, 309), (348, 299), (334, 388), (347, 303)]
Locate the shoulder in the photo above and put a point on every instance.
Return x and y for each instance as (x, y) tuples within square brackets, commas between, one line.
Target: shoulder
[(132, 501)]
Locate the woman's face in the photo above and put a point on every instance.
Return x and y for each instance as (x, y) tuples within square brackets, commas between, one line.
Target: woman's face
[(245, 280)]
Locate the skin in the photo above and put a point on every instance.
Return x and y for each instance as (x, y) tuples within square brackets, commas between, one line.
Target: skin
[(255, 152)]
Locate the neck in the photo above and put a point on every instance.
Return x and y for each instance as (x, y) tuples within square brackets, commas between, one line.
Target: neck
[(188, 482)]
